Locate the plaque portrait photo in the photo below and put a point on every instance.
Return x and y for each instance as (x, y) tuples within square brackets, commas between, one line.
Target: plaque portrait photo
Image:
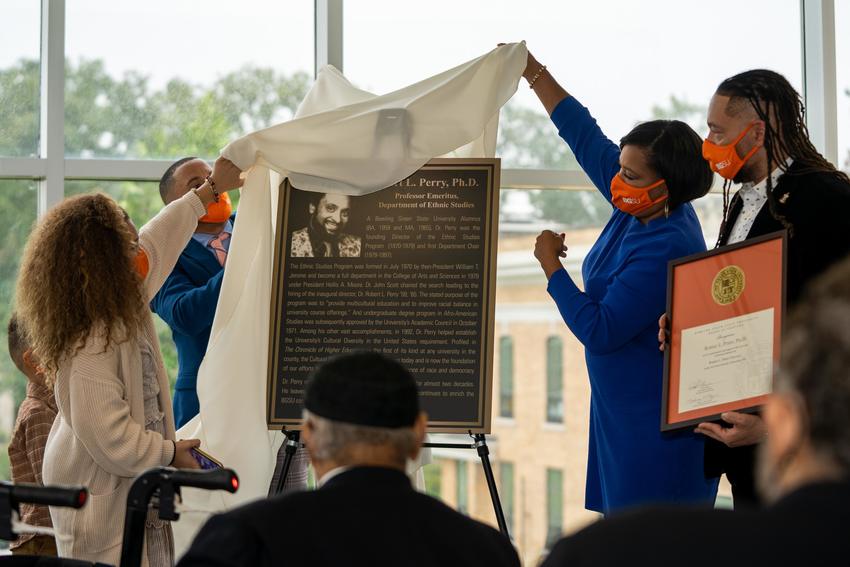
[(725, 310), (329, 219)]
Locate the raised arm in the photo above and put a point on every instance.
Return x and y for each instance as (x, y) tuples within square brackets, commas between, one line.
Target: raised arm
[(164, 236), (598, 156), (544, 84)]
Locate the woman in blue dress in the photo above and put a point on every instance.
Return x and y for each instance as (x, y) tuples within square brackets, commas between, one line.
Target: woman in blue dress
[(649, 179)]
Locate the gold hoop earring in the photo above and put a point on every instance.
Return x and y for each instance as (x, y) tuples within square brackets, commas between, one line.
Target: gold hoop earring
[(666, 209)]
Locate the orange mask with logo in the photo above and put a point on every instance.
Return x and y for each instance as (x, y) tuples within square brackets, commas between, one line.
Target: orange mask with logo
[(218, 211), (724, 160), (634, 200)]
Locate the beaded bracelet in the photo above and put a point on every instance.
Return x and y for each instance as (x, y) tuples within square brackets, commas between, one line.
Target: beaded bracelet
[(536, 76), (216, 195)]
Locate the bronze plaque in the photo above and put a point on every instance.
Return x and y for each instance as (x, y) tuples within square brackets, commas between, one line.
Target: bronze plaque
[(409, 271)]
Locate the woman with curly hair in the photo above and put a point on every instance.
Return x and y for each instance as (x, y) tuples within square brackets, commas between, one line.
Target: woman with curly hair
[(86, 279)]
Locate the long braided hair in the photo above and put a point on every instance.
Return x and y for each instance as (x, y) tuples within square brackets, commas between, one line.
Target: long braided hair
[(781, 109)]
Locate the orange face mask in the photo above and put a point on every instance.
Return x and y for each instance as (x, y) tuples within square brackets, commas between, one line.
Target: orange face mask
[(142, 263), (633, 200), (724, 160), (220, 211)]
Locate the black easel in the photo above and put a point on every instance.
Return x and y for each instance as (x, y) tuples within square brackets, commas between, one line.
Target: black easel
[(479, 443), (291, 445)]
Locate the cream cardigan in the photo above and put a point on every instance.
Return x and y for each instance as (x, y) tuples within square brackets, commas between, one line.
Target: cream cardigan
[(98, 439)]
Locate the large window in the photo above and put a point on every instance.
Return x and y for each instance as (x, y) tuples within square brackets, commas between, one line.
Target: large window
[(185, 79), (17, 215), (141, 81), (657, 58), (19, 79), (144, 85)]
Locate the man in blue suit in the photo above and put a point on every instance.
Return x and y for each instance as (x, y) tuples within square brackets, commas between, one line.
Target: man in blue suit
[(188, 299)]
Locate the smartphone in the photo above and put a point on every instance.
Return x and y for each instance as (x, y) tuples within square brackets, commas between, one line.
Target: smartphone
[(206, 461)]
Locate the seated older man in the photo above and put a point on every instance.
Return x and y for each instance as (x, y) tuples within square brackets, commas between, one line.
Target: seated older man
[(362, 423), (803, 468)]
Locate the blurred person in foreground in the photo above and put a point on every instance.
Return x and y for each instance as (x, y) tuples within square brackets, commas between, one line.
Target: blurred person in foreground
[(362, 423), (803, 467)]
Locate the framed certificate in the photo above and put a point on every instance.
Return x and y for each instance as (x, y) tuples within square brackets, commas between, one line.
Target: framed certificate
[(725, 309)]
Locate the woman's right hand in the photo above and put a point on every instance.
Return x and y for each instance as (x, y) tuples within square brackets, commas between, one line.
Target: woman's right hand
[(183, 458), (532, 65), (226, 177), (545, 86), (663, 333)]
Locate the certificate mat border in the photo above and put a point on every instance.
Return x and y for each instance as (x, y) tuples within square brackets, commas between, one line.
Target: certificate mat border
[(667, 425), (482, 424)]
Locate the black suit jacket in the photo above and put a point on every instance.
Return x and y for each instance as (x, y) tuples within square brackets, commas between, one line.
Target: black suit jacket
[(364, 516), (818, 207), (809, 527)]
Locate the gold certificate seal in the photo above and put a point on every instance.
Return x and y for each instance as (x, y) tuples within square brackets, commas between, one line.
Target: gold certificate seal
[(728, 285)]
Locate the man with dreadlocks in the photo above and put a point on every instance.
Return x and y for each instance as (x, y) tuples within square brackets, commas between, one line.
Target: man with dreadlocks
[(758, 138), (804, 467)]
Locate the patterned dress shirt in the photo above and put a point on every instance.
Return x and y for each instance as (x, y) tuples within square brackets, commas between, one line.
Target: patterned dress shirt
[(26, 451), (754, 197)]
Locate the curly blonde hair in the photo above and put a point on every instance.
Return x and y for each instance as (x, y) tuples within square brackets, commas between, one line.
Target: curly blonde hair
[(77, 277)]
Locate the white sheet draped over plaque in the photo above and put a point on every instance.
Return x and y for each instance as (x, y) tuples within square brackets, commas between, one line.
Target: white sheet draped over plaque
[(342, 139)]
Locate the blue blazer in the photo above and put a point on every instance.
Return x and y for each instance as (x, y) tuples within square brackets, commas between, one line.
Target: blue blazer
[(187, 302)]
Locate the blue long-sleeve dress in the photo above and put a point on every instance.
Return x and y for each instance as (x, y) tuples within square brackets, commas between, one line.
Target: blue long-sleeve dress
[(630, 462)]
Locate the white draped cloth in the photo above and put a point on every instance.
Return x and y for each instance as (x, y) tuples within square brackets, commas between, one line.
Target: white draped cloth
[(345, 140)]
